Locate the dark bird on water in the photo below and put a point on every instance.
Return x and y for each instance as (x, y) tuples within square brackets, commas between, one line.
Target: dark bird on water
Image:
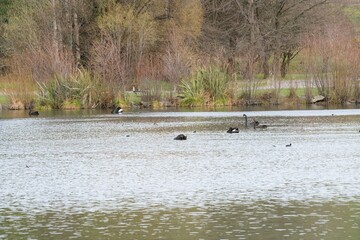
[(180, 137), (116, 110), (246, 121), (288, 145), (254, 123), (33, 113), (232, 130)]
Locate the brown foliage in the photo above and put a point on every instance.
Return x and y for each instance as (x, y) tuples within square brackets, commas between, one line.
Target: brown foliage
[(19, 89), (133, 43), (332, 58)]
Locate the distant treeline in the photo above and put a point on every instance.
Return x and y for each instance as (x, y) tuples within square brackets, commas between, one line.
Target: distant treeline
[(90, 53)]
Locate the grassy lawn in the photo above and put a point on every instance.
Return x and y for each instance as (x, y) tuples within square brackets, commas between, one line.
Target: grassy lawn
[(353, 13), (295, 76), (285, 92), (300, 92)]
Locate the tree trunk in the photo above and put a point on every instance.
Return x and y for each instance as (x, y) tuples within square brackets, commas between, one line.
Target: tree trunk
[(265, 65), (76, 33), (55, 38), (231, 59), (283, 67), (286, 58)]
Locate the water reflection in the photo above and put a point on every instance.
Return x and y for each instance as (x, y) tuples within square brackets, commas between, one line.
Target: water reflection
[(259, 220), (124, 177)]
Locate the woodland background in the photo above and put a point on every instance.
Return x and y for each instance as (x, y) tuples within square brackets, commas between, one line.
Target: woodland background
[(63, 54)]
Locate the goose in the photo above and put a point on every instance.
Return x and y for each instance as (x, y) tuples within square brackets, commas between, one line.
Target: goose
[(33, 113), (232, 130), (288, 145), (117, 110), (180, 137)]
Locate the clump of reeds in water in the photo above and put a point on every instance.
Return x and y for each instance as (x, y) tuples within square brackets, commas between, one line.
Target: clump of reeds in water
[(79, 90), (206, 86)]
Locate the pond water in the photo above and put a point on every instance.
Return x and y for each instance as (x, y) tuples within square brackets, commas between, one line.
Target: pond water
[(93, 175)]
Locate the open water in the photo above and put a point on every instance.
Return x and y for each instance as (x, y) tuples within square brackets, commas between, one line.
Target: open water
[(94, 175)]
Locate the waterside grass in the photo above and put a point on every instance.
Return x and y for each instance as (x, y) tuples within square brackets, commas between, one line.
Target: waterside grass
[(80, 90), (17, 91), (208, 85)]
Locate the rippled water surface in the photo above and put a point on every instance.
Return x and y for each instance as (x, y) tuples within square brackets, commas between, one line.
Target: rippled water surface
[(93, 175)]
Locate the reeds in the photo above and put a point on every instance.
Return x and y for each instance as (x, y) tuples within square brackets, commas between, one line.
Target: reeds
[(206, 86), (80, 90), (332, 61), (19, 90)]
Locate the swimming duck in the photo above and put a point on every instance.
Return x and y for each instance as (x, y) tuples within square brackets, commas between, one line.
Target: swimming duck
[(117, 110), (180, 137), (256, 124), (33, 113), (232, 130)]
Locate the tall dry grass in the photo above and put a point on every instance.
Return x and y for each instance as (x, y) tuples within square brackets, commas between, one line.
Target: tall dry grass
[(20, 90), (332, 58)]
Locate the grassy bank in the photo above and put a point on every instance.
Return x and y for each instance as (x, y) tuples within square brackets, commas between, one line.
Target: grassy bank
[(211, 86), (148, 99)]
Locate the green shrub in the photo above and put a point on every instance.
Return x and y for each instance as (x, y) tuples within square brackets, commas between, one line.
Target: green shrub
[(80, 90), (131, 99), (206, 86)]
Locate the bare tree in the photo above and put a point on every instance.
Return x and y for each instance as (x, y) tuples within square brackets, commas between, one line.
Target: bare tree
[(331, 59), (260, 29)]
